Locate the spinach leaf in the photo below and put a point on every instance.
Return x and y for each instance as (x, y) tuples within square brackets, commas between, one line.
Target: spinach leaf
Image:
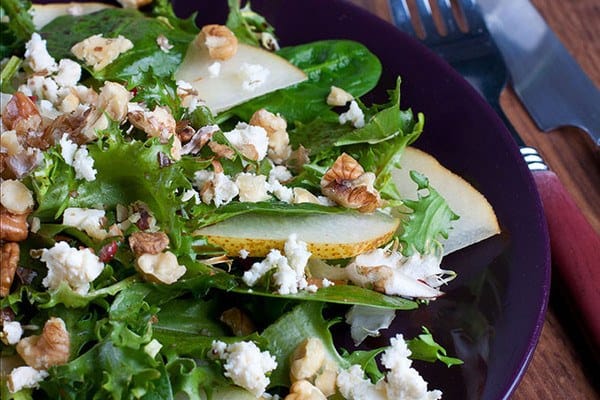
[(342, 63), (246, 24), (65, 31)]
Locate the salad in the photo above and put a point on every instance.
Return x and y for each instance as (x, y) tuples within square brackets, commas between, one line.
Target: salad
[(187, 211)]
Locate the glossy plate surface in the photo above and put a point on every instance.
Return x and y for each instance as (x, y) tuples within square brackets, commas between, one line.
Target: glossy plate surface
[(493, 312)]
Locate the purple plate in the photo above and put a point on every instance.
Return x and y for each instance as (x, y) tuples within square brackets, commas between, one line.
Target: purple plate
[(493, 312)]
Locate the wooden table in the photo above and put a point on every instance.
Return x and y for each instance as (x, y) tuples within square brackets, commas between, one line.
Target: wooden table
[(561, 367)]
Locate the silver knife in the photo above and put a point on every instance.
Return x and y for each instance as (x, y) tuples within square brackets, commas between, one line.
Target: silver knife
[(552, 86)]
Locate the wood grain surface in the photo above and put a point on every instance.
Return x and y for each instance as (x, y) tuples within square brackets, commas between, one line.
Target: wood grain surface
[(562, 366)]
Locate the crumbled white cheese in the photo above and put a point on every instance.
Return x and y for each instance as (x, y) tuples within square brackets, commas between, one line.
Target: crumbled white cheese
[(83, 164), (67, 264), (246, 365), (99, 52), (35, 225), (244, 254), (37, 56), (277, 175), (327, 283), (252, 188), (214, 69), (86, 219), (191, 194), (67, 149), (252, 141), (401, 381), (354, 115), (25, 378), (289, 276), (415, 276), (42, 88), (69, 73), (11, 332), (163, 43), (217, 188), (47, 110), (368, 321), (253, 76)]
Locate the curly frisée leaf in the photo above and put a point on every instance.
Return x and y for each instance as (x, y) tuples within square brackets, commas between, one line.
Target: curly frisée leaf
[(428, 221)]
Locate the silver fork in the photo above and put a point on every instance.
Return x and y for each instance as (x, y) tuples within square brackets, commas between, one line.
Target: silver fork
[(471, 51)]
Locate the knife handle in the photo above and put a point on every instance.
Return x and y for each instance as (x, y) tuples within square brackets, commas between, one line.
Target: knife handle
[(575, 251)]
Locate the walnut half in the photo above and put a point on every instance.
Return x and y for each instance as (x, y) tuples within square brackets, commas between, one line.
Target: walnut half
[(347, 183), (50, 348)]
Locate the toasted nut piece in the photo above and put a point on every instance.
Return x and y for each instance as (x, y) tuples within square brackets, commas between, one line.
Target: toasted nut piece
[(8, 266), (238, 321), (134, 3), (304, 390), (325, 381), (158, 123), (148, 242), (50, 348), (13, 227), (307, 359), (113, 100), (15, 197), (338, 97), (276, 127), (347, 183), (99, 52), (220, 41), (160, 268), (21, 114)]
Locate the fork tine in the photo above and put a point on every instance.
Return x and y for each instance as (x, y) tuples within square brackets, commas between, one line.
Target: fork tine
[(445, 9), (426, 17), (472, 14), (401, 15)]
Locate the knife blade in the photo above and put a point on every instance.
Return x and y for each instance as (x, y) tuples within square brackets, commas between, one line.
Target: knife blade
[(551, 85)]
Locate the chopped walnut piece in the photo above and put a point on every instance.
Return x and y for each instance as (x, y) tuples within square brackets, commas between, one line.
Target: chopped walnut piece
[(148, 242), (347, 183), (297, 159), (157, 123), (307, 359), (238, 321), (134, 3), (220, 41), (338, 97), (98, 51), (13, 227), (21, 114), (16, 197), (9, 261), (50, 348), (221, 150), (304, 390), (160, 268), (276, 127)]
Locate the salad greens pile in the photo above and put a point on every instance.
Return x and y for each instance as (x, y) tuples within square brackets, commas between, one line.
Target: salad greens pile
[(134, 338)]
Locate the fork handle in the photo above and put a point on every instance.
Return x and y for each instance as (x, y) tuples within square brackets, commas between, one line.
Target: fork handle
[(575, 250)]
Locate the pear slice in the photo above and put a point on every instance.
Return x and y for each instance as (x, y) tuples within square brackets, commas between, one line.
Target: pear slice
[(477, 218), (225, 89), (44, 13), (328, 236)]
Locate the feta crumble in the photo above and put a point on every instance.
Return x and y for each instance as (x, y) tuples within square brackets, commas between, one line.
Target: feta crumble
[(11, 332), (401, 381), (86, 219), (290, 269), (215, 187), (25, 378), (252, 141), (79, 158), (69, 73), (75, 267), (354, 115), (37, 56), (246, 365), (253, 76)]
